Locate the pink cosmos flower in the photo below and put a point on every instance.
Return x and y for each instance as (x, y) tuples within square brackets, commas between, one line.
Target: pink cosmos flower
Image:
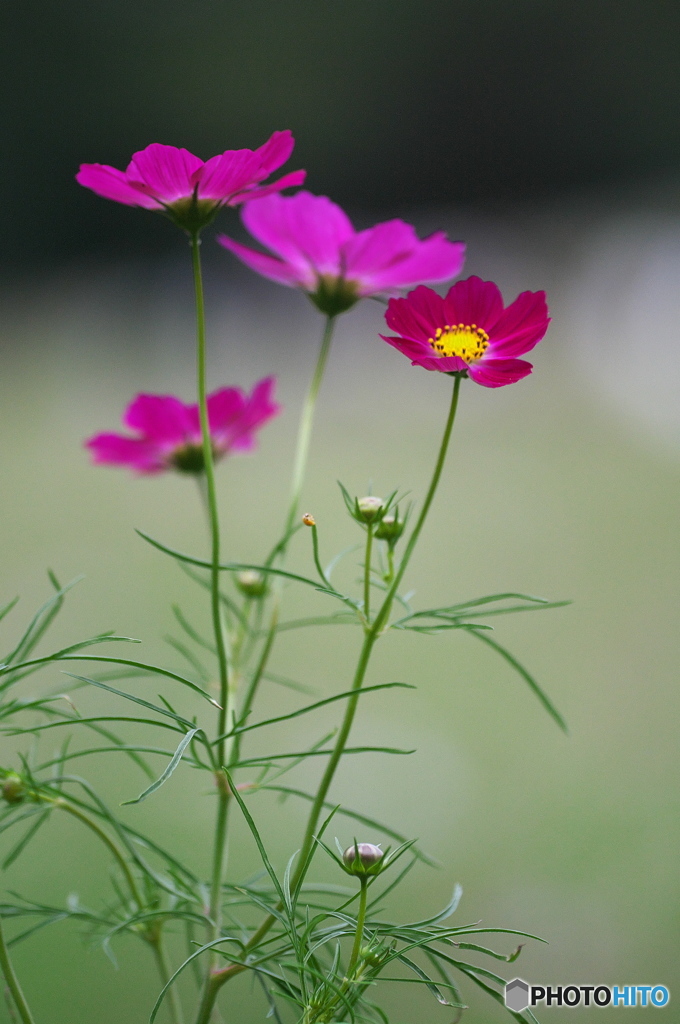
[(178, 183), (469, 331), (316, 248), (169, 432)]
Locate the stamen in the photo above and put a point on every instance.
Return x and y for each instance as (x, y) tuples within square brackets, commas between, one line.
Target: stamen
[(467, 341)]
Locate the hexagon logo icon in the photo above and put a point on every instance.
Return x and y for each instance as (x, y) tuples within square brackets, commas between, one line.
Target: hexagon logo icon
[(517, 995)]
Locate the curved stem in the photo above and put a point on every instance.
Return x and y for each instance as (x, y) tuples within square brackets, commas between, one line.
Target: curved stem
[(13, 982), (218, 624), (108, 842), (306, 423)]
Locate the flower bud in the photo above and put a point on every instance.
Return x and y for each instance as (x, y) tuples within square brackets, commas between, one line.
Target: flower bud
[(390, 529), (13, 789), (251, 583), (363, 859), (308, 519), (369, 508)]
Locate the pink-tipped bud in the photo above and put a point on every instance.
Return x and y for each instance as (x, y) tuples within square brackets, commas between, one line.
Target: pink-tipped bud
[(369, 508), (363, 859), (390, 529)]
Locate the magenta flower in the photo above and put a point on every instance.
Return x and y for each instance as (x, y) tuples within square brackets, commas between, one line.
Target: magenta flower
[(316, 248), (169, 432), (469, 331), (190, 191)]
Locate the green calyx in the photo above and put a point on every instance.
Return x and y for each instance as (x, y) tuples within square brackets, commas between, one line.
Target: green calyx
[(192, 214), (189, 459), (334, 295), (13, 789)]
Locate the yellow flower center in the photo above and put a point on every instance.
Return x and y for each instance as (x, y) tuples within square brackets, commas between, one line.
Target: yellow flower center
[(467, 341)]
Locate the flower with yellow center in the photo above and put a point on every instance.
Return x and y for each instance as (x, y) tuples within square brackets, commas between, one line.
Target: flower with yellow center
[(469, 331)]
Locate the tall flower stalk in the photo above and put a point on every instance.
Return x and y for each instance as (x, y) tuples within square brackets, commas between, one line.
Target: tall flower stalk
[(219, 631)]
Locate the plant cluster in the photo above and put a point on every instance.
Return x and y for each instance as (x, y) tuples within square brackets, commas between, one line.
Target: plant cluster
[(316, 951)]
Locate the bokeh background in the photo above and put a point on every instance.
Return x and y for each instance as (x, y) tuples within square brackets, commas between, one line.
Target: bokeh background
[(546, 135)]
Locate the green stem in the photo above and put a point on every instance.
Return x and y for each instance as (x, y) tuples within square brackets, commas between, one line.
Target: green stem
[(306, 423), (367, 573), (174, 1003), (358, 938), (384, 612), (13, 982), (218, 624)]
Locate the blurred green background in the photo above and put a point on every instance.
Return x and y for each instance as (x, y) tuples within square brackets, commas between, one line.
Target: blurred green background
[(546, 136)]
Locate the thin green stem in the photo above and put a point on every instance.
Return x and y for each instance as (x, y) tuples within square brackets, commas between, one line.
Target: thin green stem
[(220, 844), (174, 1003), (306, 423), (13, 982), (359, 937), (384, 612), (367, 573)]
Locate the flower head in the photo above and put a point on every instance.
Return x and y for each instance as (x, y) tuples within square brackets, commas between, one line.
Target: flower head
[(168, 432), (363, 859), (316, 248), (188, 189), (469, 331)]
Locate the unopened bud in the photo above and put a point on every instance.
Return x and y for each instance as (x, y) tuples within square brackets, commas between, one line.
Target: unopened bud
[(390, 529), (13, 789), (369, 508), (308, 519), (251, 583), (363, 859)]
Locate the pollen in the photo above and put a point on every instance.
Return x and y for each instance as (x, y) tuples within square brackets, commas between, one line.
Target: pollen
[(467, 341)]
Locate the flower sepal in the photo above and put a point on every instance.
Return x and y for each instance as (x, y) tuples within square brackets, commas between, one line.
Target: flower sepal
[(192, 214), (334, 295)]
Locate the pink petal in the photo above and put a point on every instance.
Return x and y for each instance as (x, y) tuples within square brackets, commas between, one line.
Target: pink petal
[(474, 302), (305, 230), (238, 416), (275, 151), (165, 172), (496, 373), (390, 255), (224, 407), (435, 259), (287, 181), (418, 315), (443, 364), (113, 184), (417, 351), (521, 326), (115, 450), (227, 174), (379, 247), (162, 419), (268, 266)]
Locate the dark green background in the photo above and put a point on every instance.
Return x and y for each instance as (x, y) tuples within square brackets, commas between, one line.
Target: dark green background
[(393, 103)]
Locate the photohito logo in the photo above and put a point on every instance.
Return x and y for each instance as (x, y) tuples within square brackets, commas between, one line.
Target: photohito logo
[(519, 995)]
